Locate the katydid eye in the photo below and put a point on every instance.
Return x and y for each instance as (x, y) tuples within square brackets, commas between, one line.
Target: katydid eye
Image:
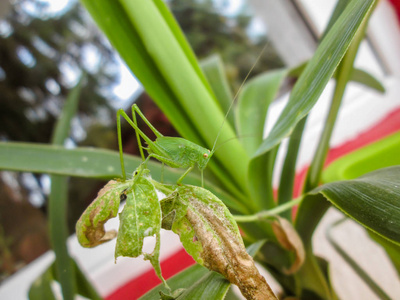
[(205, 155)]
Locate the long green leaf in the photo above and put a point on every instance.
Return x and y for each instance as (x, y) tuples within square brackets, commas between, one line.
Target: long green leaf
[(318, 72), (58, 201), (372, 200), (92, 163), (251, 112), (147, 37), (113, 20), (252, 107), (344, 71)]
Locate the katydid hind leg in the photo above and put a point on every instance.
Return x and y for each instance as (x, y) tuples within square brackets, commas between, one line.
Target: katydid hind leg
[(134, 126), (139, 112), (137, 135), (121, 154)]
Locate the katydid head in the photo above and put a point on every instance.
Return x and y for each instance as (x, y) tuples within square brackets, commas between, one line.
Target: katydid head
[(204, 158)]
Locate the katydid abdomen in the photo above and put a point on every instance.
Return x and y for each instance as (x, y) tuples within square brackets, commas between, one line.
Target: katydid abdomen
[(180, 153)]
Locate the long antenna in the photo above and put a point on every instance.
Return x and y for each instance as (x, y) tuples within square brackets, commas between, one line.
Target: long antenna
[(236, 95)]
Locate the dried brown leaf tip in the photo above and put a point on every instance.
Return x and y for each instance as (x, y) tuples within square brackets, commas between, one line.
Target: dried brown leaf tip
[(90, 226), (289, 239), (209, 233)]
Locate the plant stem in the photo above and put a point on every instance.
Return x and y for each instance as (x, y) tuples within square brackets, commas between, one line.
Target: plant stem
[(265, 214)]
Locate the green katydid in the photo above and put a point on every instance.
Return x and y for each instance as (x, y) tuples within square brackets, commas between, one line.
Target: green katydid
[(173, 151)]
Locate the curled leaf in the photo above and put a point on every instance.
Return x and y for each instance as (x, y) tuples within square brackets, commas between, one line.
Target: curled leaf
[(210, 235), (90, 226), (289, 239)]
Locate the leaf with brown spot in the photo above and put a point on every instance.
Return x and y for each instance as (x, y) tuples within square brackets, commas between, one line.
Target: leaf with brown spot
[(210, 235), (90, 226), (289, 239)]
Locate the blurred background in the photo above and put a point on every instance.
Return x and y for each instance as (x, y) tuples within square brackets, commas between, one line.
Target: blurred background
[(45, 46)]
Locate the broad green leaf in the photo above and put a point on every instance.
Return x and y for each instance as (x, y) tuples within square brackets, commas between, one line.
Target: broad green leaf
[(318, 72), (90, 226), (372, 200), (210, 235)]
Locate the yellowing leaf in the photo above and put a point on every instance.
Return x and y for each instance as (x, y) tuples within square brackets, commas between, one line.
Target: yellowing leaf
[(209, 233), (90, 226)]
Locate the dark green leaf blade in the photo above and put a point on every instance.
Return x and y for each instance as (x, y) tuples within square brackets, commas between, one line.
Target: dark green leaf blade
[(372, 200), (318, 72)]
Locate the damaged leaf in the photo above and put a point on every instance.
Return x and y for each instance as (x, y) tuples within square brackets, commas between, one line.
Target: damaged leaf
[(289, 239), (140, 218), (210, 235), (90, 226)]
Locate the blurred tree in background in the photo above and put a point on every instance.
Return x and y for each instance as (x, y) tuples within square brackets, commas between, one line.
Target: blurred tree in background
[(42, 55), (210, 29)]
